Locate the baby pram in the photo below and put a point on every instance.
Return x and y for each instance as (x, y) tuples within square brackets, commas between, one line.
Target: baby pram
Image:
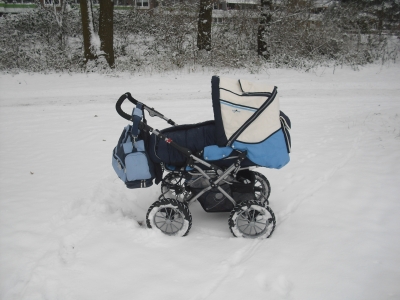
[(210, 162)]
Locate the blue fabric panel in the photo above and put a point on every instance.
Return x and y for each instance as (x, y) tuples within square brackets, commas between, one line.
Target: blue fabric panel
[(170, 167), (118, 169), (270, 153), (137, 167), (137, 112), (128, 147), (137, 115), (139, 145), (216, 153)]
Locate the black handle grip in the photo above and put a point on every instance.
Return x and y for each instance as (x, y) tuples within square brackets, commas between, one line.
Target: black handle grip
[(152, 112), (119, 103), (130, 98)]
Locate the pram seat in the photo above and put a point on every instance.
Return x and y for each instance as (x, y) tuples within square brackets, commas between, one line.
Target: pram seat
[(198, 138), (194, 137)]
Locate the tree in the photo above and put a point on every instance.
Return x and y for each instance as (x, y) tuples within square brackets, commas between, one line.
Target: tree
[(106, 30), (90, 45), (97, 45), (204, 25), (263, 29)]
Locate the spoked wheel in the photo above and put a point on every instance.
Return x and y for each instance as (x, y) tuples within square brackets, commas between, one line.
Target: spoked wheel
[(251, 219), (262, 188), (173, 186), (170, 216)]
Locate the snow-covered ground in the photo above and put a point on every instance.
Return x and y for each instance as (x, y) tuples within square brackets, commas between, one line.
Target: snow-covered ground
[(69, 229)]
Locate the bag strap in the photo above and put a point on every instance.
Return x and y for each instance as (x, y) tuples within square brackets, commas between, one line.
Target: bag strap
[(137, 115)]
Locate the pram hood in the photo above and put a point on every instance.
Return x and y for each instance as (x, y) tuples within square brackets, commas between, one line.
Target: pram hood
[(248, 118), (237, 102)]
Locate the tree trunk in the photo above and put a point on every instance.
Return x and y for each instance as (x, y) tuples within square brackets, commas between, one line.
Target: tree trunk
[(263, 29), (106, 23), (88, 29), (204, 25)]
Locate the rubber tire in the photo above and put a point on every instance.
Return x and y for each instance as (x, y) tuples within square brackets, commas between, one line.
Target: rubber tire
[(251, 205), (266, 186), (182, 208)]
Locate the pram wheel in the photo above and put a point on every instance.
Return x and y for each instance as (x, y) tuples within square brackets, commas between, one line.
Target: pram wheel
[(251, 219), (173, 186), (170, 216), (262, 188)]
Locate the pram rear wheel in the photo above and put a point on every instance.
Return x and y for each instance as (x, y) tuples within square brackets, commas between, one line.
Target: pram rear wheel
[(170, 216), (251, 219), (173, 186), (262, 188)]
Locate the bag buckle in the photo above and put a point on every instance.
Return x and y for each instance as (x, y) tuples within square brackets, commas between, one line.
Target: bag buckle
[(134, 139)]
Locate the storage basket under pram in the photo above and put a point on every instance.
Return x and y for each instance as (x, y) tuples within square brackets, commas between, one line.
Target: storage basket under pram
[(210, 162)]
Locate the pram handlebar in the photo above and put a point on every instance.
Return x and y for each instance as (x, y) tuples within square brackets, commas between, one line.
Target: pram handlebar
[(119, 109), (152, 112)]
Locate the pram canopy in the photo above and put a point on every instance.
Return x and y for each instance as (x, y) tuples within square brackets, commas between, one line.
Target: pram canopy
[(246, 118)]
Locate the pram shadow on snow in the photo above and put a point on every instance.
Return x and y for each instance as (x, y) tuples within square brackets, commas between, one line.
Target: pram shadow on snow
[(133, 204), (111, 202)]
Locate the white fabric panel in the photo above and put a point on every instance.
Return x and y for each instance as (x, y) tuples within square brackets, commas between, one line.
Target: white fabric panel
[(251, 87), (230, 84), (233, 116), (232, 92), (265, 125), (253, 101)]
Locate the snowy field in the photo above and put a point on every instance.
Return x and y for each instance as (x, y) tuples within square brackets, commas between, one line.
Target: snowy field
[(69, 229)]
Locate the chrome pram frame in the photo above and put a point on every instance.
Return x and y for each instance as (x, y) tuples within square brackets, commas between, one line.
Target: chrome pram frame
[(170, 214)]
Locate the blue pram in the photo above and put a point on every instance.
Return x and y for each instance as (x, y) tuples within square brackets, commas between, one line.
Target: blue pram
[(211, 162)]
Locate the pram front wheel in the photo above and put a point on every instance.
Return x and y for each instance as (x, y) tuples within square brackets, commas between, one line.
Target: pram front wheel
[(170, 216), (251, 219), (173, 186), (262, 188)]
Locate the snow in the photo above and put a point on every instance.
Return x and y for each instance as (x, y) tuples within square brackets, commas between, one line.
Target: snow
[(69, 229)]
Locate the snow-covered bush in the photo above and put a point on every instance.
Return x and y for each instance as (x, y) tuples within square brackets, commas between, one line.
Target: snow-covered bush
[(159, 40), (234, 40), (300, 38), (165, 38), (40, 40)]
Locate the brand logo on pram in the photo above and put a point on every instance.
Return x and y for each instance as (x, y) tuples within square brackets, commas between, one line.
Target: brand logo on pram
[(236, 111)]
